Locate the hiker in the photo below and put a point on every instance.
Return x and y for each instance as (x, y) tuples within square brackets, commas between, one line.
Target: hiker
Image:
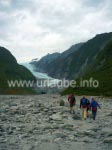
[(83, 107), (94, 105), (72, 102), (88, 107)]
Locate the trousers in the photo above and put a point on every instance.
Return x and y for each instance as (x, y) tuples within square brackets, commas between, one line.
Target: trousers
[(84, 113)]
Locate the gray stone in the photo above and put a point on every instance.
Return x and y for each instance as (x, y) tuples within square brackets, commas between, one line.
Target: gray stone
[(89, 133), (108, 140), (60, 135), (57, 117), (46, 146)]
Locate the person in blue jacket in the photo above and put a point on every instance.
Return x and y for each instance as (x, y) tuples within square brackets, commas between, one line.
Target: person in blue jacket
[(93, 106), (83, 107)]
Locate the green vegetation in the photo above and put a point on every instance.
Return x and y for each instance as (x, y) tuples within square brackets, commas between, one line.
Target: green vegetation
[(11, 70), (101, 70)]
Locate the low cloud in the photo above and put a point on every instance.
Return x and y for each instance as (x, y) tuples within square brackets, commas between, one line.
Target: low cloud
[(31, 29)]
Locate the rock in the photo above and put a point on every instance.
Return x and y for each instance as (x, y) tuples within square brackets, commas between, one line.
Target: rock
[(57, 117), (68, 127), (76, 117), (13, 140), (89, 133), (71, 138), (106, 132), (40, 123), (3, 110), (50, 113), (87, 140), (60, 135), (56, 126), (58, 140), (3, 128), (110, 114), (61, 103), (108, 140), (46, 110), (30, 105), (13, 108), (3, 117), (29, 129), (12, 104), (46, 127), (46, 146)]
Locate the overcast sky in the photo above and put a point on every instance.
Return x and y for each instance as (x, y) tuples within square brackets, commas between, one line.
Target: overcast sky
[(33, 28)]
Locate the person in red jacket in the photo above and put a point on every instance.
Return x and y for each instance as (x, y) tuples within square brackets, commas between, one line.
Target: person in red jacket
[(72, 102)]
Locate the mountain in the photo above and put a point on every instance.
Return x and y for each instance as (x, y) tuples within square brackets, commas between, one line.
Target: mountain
[(44, 61), (11, 70), (75, 61), (71, 50), (54, 64), (101, 71)]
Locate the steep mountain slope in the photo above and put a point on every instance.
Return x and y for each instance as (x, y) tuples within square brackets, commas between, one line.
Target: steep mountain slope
[(101, 71), (11, 70), (59, 65), (78, 61), (44, 61)]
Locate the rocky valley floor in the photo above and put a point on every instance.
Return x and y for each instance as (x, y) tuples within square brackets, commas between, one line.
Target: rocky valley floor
[(40, 123)]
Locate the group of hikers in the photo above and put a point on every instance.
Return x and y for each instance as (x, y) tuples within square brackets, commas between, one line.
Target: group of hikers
[(85, 105)]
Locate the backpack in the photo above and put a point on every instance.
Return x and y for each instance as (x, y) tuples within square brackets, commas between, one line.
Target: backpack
[(84, 102)]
